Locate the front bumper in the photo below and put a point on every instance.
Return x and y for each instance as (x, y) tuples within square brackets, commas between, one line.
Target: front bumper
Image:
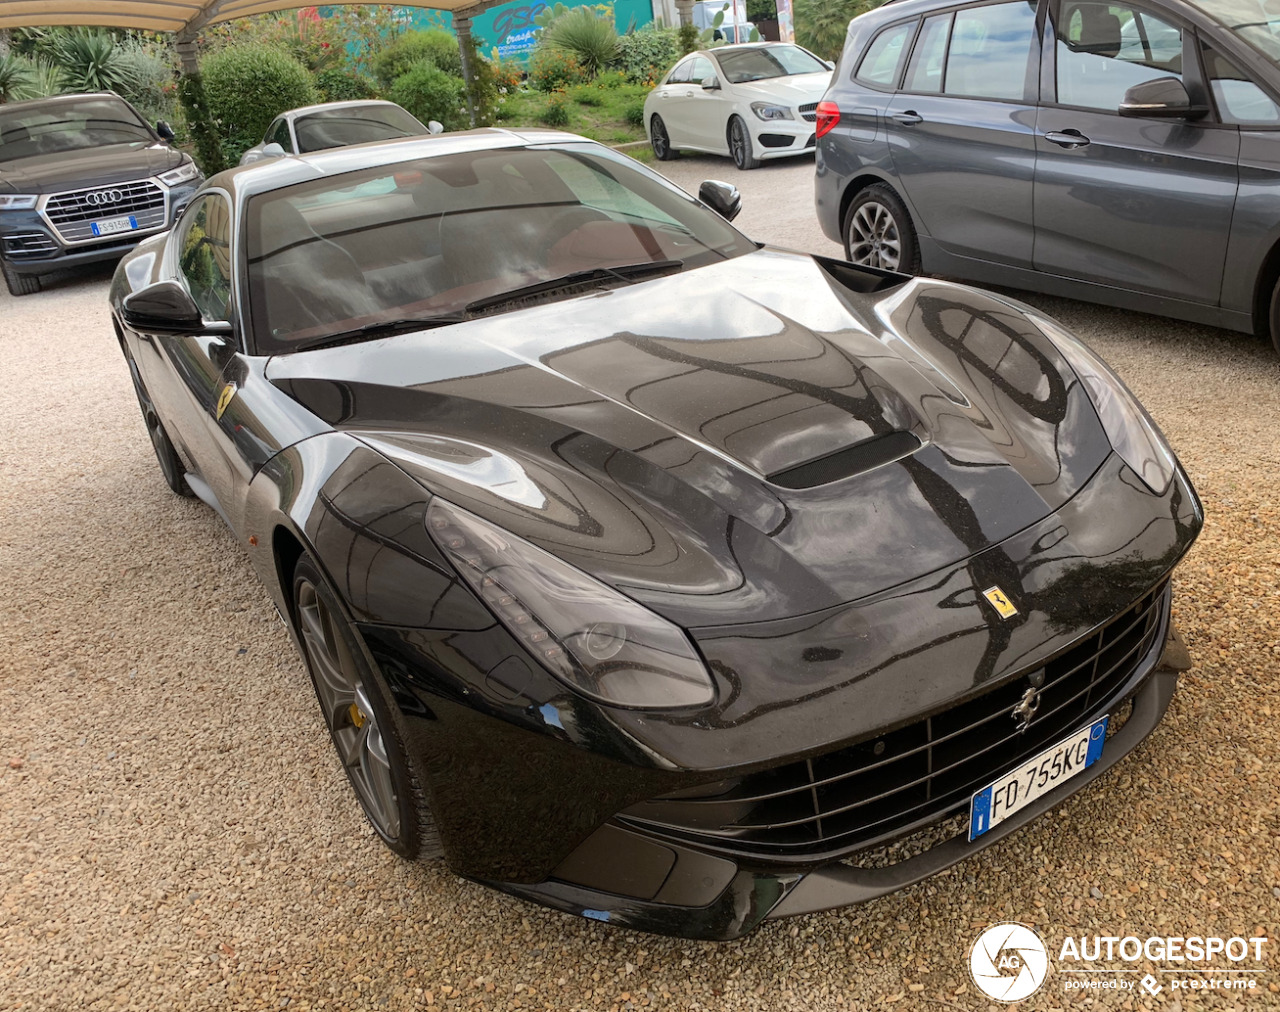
[(30, 245), (781, 138)]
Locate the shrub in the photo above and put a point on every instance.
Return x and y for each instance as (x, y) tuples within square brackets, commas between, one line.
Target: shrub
[(646, 55), (690, 38), (435, 46), (610, 79), (586, 34), (507, 74), (153, 86), (429, 93), (556, 113), (246, 87), (195, 109), (586, 94), (634, 113), (90, 60), (342, 86), (15, 78), (553, 70), (821, 25)]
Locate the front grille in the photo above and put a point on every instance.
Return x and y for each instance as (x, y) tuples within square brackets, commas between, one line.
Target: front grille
[(777, 140), (880, 788), (72, 214), (28, 245), (809, 112)]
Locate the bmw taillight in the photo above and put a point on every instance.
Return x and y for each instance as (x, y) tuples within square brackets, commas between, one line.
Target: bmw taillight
[(828, 117)]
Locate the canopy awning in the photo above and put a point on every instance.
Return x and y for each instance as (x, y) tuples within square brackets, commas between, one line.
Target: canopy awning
[(181, 17)]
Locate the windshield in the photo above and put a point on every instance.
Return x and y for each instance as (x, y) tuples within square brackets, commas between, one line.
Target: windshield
[(68, 126), (433, 236), (743, 65), (1255, 21), (336, 128)]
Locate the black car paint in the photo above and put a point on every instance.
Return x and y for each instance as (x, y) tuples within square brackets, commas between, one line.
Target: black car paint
[(826, 614)]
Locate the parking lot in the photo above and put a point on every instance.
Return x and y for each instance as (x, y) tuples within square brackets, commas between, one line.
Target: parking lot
[(176, 833)]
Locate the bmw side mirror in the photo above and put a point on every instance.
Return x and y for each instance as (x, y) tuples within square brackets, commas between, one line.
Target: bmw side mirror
[(165, 131), (166, 307), (711, 83), (1163, 98), (723, 198)]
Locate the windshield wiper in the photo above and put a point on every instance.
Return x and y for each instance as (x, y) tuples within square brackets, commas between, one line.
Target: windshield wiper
[(623, 272), (383, 328)]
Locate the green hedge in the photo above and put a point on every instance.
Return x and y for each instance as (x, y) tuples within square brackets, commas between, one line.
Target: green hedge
[(246, 87), (646, 55), (429, 93), (341, 86), (434, 46)]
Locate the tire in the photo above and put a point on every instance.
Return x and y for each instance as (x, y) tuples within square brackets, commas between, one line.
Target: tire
[(171, 466), (19, 284), (362, 720), (1273, 318), (740, 145), (660, 141), (878, 232)]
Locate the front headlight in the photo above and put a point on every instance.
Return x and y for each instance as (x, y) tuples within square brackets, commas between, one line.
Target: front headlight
[(1133, 434), (765, 110), (187, 170), (602, 644), (18, 202)]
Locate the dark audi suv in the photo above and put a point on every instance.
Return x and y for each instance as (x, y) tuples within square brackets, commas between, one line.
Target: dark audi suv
[(1124, 153), (82, 178)]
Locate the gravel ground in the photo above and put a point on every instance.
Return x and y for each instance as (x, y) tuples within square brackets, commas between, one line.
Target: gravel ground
[(176, 833)]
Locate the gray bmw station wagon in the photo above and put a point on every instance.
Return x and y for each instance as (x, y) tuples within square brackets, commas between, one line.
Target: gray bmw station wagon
[(1122, 153)]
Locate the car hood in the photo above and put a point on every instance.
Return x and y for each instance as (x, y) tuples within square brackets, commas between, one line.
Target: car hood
[(798, 89), (65, 170), (657, 435)]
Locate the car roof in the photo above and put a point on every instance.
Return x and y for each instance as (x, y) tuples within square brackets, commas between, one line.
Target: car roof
[(358, 103), (32, 103), (260, 177)]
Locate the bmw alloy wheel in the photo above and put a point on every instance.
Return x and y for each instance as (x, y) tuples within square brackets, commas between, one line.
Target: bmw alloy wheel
[(873, 237)]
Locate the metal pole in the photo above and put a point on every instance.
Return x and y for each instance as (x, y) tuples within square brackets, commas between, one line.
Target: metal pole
[(462, 26)]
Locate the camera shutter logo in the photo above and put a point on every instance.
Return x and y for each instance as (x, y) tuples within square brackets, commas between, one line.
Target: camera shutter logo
[(1008, 962)]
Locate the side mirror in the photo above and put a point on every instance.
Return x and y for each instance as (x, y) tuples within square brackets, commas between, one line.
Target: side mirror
[(828, 64), (711, 83), (435, 127), (723, 198), (272, 150), (165, 307), (165, 131), (1163, 98)]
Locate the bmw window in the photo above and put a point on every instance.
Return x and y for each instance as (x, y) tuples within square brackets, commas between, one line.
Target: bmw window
[(990, 51), (1103, 50), (880, 65), (1239, 99)]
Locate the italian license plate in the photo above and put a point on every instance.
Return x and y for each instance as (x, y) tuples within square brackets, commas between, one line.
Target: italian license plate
[(113, 225), (1036, 777)]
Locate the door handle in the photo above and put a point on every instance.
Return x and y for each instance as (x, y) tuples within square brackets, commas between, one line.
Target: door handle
[(1067, 138), (908, 118)]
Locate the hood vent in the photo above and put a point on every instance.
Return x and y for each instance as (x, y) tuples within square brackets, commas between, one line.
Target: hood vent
[(855, 459)]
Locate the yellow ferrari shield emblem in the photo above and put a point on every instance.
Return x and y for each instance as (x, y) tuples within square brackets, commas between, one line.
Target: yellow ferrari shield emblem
[(224, 399), (1000, 602)]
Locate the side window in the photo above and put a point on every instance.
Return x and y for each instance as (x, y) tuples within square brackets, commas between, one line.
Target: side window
[(930, 55), (1103, 50), (280, 135), (990, 50), (680, 75), (879, 66), (204, 256), (700, 70), (1239, 100)]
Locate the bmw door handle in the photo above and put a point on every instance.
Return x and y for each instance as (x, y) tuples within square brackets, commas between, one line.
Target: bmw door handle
[(908, 118), (1067, 138)]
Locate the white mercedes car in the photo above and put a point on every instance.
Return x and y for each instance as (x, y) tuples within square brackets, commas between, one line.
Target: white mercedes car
[(335, 125), (751, 102)]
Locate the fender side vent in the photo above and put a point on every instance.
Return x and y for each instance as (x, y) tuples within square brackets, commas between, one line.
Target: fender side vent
[(855, 459)]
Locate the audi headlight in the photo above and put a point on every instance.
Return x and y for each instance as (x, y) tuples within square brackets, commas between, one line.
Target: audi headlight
[(602, 644), (1133, 434), (18, 202), (766, 110), (187, 170)]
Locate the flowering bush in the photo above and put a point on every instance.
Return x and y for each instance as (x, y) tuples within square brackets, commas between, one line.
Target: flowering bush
[(556, 113), (555, 70)]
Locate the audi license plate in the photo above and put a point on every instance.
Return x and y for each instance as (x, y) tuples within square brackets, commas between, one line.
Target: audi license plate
[(113, 225), (1036, 777)]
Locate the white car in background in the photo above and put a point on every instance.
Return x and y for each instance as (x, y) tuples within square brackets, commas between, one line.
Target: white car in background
[(335, 125), (751, 102)]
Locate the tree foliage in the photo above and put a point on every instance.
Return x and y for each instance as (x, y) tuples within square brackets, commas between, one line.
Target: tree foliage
[(821, 25), (246, 87)]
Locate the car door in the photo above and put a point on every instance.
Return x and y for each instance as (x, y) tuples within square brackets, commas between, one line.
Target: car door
[(1130, 202), (707, 109), (673, 95), (961, 130)]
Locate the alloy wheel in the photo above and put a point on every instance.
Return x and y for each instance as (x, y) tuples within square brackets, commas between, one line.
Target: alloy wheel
[(347, 710), (873, 237)]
